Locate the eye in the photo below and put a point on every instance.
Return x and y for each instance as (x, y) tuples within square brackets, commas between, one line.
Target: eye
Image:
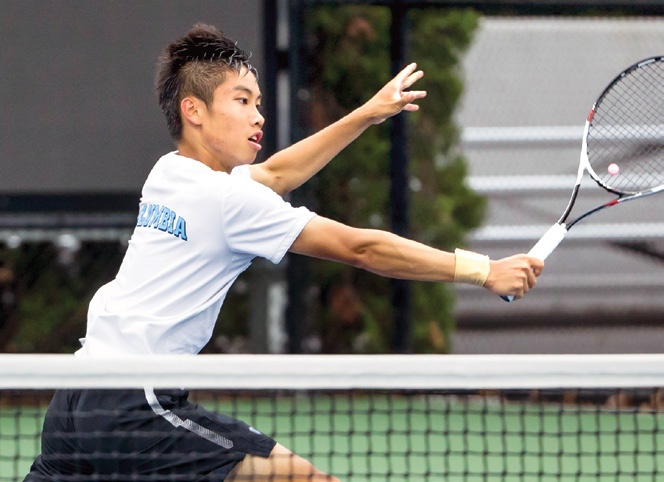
[(243, 100)]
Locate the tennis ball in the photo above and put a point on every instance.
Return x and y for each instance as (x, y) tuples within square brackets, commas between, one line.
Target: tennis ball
[(613, 169)]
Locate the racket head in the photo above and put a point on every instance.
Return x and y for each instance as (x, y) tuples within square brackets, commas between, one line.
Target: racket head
[(623, 142)]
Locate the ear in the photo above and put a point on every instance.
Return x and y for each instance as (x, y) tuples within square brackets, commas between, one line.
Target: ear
[(192, 110)]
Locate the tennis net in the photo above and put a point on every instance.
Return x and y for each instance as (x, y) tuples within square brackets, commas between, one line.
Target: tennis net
[(387, 418)]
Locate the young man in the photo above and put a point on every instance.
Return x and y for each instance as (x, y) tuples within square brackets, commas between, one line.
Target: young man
[(205, 213)]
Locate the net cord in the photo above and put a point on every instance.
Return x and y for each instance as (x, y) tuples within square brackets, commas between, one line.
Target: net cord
[(333, 371)]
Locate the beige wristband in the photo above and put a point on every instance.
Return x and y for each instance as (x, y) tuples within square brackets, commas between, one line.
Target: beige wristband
[(471, 268)]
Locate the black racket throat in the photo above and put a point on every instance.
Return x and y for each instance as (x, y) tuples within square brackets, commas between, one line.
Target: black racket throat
[(568, 225), (570, 204)]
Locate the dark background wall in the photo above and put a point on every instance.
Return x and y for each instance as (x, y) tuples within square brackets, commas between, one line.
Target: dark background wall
[(78, 110)]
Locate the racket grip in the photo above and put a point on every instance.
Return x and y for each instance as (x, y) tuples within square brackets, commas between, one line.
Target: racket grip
[(545, 246)]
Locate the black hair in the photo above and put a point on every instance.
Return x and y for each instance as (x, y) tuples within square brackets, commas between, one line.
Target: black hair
[(195, 65)]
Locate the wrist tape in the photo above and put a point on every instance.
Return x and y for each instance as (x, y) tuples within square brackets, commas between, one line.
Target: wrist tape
[(471, 268)]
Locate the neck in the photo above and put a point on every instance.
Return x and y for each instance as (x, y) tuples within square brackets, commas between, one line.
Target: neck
[(195, 152)]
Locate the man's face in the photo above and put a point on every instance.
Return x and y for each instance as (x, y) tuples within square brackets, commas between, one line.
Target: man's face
[(232, 123)]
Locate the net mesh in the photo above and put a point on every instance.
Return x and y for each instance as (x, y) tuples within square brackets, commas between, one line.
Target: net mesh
[(461, 419), (626, 134)]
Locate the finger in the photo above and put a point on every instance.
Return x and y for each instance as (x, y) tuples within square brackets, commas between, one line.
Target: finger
[(531, 278), (536, 264), (402, 76), (534, 261), (412, 95), (406, 71), (411, 79), (408, 97)]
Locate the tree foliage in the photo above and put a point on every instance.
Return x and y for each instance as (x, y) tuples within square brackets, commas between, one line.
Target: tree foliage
[(45, 305), (348, 58)]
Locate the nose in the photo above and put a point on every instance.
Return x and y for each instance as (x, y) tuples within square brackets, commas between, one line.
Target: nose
[(259, 120)]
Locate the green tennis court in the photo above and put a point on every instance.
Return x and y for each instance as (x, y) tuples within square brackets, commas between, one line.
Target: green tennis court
[(369, 436)]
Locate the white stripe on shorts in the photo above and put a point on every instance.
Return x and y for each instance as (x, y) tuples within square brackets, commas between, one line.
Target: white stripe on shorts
[(186, 424)]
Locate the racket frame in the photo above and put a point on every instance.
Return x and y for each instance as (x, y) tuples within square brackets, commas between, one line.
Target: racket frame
[(556, 233)]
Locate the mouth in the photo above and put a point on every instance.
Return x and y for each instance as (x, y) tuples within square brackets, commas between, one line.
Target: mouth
[(256, 138)]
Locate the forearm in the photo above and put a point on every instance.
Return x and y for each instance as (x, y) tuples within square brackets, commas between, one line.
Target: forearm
[(392, 256), (387, 254), (288, 169), (396, 257), (380, 252)]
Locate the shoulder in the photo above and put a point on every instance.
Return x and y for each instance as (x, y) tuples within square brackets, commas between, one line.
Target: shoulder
[(242, 172), (179, 173)]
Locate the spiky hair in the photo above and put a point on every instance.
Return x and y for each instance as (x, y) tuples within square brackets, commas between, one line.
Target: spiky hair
[(195, 65)]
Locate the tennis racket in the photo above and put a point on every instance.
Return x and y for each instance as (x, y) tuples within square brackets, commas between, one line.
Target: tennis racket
[(622, 148)]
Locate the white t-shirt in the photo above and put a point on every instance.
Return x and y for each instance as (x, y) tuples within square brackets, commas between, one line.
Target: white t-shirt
[(196, 231)]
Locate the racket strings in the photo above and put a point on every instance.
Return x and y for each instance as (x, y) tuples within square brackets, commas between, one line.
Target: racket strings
[(626, 135)]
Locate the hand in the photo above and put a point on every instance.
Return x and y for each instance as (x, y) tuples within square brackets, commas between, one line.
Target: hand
[(514, 275), (392, 99)]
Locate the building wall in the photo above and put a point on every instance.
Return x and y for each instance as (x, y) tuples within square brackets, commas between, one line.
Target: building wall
[(77, 102)]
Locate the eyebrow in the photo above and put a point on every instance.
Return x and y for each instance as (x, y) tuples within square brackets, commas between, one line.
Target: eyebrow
[(247, 90)]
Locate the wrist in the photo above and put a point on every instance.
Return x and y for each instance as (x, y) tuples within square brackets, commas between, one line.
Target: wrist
[(471, 268), (366, 115)]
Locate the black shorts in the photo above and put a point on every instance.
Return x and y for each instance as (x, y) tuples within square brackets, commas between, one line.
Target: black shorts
[(140, 436)]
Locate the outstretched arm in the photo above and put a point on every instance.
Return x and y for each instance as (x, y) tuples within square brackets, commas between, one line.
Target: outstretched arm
[(389, 255), (293, 166)]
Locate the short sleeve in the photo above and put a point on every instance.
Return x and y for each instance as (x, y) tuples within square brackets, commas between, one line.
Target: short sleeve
[(258, 221)]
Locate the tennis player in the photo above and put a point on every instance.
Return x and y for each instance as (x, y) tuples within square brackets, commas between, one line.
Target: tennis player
[(205, 213)]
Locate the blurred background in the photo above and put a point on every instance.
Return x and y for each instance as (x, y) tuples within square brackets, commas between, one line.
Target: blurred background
[(487, 163)]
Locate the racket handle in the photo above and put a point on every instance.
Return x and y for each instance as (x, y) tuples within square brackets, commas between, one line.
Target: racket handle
[(545, 246)]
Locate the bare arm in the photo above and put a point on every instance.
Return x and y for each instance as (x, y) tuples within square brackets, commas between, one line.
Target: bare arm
[(389, 255), (293, 166)]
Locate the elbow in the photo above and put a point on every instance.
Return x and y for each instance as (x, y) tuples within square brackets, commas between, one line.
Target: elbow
[(326, 239), (363, 253), (360, 257), (278, 184), (272, 178)]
